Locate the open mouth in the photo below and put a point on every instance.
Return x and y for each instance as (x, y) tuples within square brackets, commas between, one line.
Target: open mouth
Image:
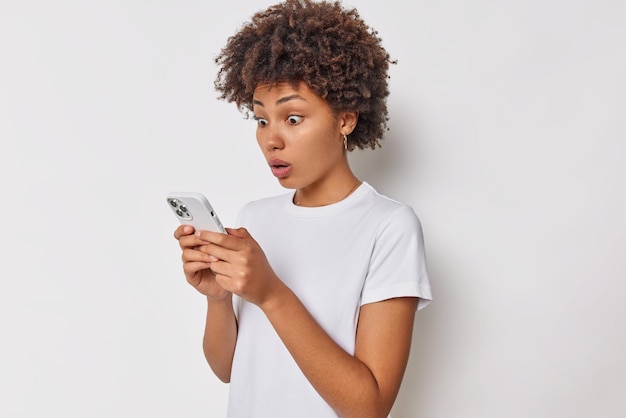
[(280, 168)]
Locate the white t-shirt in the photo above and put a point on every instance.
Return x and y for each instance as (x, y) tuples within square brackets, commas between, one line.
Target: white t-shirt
[(363, 249)]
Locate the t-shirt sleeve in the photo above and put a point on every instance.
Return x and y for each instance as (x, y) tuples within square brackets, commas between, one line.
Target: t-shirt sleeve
[(398, 262)]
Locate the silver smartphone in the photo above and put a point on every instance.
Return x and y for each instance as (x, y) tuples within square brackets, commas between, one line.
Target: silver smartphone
[(194, 209)]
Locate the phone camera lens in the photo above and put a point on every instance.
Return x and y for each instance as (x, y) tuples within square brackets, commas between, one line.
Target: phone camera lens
[(173, 203), (179, 212), (183, 208)]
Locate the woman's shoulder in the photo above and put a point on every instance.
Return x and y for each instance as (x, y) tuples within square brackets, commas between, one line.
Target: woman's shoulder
[(392, 209), (271, 204), (270, 200)]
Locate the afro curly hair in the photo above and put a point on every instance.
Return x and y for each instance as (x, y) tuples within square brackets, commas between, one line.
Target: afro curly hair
[(329, 48)]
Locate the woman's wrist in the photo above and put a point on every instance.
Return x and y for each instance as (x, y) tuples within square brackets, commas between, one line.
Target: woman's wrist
[(277, 299), (225, 300)]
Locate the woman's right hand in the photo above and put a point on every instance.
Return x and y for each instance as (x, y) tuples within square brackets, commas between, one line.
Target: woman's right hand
[(197, 264)]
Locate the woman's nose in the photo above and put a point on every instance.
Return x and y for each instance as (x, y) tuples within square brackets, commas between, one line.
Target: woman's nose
[(271, 138)]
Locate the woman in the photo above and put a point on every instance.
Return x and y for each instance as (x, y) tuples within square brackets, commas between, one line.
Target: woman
[(310, 304)]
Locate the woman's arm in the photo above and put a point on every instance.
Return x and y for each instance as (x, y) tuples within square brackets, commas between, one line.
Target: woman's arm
[(220, 333), (220, 336), (363, 385)]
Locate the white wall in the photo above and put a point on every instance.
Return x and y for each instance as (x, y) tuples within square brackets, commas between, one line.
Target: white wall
[(507, 137)]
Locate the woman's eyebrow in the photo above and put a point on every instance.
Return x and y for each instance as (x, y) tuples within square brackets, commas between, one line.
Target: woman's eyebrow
[(288, 98), (281, 100)]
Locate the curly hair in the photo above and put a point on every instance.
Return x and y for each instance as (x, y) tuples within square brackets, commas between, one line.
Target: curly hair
[(329, 48)]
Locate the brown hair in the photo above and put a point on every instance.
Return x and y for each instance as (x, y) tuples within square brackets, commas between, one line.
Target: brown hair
[(329, 48)]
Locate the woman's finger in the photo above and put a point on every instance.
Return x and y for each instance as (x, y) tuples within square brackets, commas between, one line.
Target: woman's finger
[(191, 255), (223, 240), (215, 252), (193, 267), (221, 268), (190, 241), (183, 230)]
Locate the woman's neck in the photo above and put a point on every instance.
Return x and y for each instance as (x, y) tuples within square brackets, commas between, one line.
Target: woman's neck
[(323, 195)]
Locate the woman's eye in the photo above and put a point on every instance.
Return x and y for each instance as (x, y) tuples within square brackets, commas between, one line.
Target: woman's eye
[(260, 121), (294, 119)]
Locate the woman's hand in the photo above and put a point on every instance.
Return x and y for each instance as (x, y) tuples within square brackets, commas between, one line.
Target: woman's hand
[(240, 265), (197, 264)]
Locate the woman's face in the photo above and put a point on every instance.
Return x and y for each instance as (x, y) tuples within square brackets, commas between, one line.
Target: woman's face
[(301, 139)]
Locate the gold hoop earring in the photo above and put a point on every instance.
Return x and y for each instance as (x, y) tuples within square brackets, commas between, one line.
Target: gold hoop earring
[(345, 142)]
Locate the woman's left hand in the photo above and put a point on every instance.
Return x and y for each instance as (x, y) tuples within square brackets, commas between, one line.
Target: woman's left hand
[(241, 266)]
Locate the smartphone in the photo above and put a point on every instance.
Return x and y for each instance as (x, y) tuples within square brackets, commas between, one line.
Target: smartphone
[(194, 209)]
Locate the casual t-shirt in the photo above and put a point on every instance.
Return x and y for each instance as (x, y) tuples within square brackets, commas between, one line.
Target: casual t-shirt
[(363, 249)]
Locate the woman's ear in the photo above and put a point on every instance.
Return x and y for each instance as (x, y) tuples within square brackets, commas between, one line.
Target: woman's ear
[(348, 121)]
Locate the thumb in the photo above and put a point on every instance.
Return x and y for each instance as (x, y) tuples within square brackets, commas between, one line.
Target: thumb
[(239, 232)]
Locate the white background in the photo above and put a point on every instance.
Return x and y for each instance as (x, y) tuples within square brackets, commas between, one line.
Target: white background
[(508, 137)]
